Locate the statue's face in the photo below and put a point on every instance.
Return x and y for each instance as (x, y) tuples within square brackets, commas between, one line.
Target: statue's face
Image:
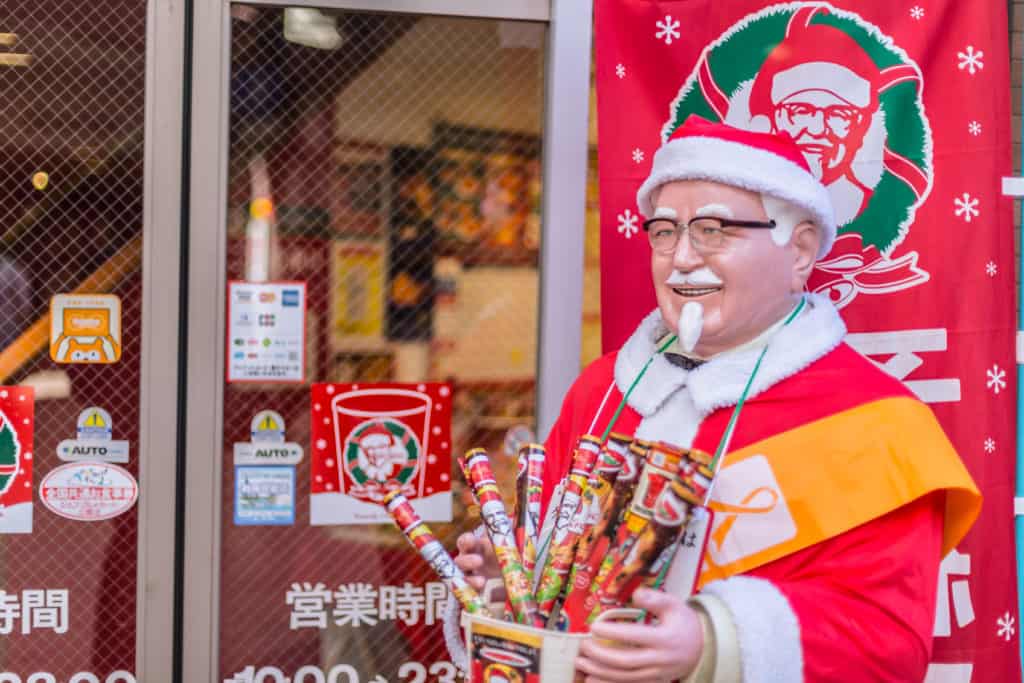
[(744, 289), (828, 130)]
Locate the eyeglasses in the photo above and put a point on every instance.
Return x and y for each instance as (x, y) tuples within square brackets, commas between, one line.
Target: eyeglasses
[(838, 118), (708, 234)]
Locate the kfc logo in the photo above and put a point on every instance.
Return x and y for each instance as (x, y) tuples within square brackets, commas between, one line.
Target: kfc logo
[(380, 455), (851, 99)]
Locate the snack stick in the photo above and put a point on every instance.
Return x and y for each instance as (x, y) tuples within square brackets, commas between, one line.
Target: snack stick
[(529, 485), (499, 529), (465, 476), (633, 563), (696, 478), (601, 483), (567, 526), (660, 467), (602, 534), (431, 550)]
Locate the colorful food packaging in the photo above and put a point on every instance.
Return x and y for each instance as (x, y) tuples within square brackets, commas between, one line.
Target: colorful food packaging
[(660, 468), (575, 609), (568, 525), (654, 552), (640, 552), (529, 486), (499, 529), (695, 476), (602, 481), (420, 536), (465, 476)]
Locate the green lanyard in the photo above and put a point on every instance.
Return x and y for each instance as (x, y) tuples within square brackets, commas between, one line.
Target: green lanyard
[(723, 445)]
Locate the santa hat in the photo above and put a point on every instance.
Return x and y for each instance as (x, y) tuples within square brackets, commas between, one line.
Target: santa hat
[(376, 428), (766, 163), (818, 58)]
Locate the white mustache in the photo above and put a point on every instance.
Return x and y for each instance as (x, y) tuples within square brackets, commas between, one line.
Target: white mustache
[(702, 277)]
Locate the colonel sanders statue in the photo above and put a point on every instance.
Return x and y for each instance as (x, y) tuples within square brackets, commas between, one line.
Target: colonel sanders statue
[(838, 494)]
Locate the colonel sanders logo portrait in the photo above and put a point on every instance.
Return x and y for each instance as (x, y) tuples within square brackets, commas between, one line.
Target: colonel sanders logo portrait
[(819, 86), (851, 99), (440, 561), (496, 518), (380, 455)]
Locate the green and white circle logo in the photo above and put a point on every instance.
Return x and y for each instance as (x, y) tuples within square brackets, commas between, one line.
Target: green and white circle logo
[(849, 97), (380, 452)]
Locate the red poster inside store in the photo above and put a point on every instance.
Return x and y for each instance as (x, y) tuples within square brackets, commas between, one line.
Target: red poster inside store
[(16, 424), (368, 439), (923, 270)]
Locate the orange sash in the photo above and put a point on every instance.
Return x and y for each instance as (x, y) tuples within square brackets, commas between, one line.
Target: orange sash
[(793, 490)]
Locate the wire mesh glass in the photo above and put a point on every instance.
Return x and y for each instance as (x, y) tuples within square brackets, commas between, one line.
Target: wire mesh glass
[(400, 156), (73, 78)]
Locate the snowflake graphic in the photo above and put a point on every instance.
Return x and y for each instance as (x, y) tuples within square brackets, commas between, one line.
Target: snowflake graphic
[(974, 128), (638, 155), (627, 223), (966, 207), (996, 379), (917, 12), (669, 29), (1005, 626), (990, 445), (970, 60), (620, 70), (991, 269)]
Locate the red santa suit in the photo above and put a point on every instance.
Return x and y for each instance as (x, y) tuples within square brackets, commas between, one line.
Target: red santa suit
[(838, 498), (839, 493)]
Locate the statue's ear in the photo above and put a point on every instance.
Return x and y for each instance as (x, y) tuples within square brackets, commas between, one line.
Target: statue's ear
[(806, 242)]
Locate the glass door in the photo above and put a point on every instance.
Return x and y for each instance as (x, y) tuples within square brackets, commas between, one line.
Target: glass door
[(88, 345), (366, 287)]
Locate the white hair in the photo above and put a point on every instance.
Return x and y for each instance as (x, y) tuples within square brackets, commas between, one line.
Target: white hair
[(786, 215)]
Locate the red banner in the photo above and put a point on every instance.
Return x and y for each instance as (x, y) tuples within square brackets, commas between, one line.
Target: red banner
[(923, 270)]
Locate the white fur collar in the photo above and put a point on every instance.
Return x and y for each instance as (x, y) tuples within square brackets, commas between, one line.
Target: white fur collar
[(720, 381)]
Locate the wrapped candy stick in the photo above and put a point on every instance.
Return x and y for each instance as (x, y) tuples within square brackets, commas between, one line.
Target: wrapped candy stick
[(602, 481), (695, 475), (660, 468), (568, 525), (576, 608), (656, 545), (465, 475), (643, 550), (499, 529), (431, 550), (529, 483)]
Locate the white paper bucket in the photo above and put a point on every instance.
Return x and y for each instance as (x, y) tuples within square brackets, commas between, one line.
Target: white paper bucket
[(506, 652)]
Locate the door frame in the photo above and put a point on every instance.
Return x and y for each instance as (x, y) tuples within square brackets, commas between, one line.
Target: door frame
[(567, 93), (160, 352)]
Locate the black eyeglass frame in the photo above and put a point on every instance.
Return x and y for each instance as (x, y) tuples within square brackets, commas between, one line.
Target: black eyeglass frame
[(722, 223)]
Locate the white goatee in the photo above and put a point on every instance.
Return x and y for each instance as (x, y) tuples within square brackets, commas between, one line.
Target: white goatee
[(691, 324)]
